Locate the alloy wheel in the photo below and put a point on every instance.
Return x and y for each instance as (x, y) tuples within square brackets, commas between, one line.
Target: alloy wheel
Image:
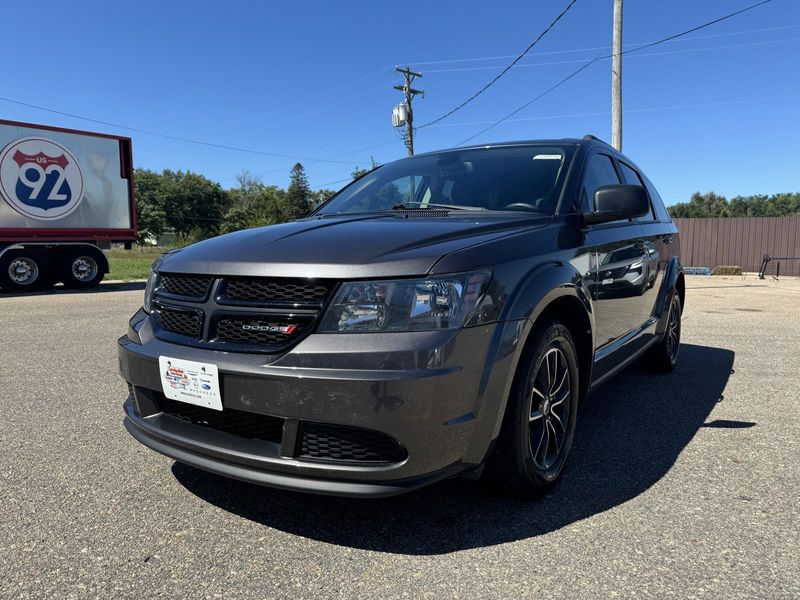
[(551, 395), (673, 332)]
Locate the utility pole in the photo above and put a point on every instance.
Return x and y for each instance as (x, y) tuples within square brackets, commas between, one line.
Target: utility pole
[(616, 79), (403, 114)]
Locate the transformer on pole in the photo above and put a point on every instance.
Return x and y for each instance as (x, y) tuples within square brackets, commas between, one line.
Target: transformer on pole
[(402, 114)]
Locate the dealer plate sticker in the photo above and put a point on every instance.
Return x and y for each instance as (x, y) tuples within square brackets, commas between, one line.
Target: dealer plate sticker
[(189, 381)]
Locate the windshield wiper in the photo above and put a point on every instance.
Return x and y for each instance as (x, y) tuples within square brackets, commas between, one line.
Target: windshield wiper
[(404, 206)]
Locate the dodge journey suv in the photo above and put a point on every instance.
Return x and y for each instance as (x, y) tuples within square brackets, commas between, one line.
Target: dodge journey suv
[(444, 314)]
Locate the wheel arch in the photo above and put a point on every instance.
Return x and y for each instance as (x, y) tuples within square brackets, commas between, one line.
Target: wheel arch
[(674, 283), (571, 312), (555, 291)]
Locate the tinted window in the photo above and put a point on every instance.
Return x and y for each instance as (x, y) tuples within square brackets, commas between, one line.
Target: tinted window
[(656, 201), (632, 177), (598, 172), (629, 175), (524, 178)]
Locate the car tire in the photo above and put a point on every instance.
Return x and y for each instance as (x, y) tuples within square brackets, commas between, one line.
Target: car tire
[(81, 269), (664, 355), (539, 423), (23, 270)]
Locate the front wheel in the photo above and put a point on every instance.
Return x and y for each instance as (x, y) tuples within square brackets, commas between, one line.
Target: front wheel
[(539, 424)]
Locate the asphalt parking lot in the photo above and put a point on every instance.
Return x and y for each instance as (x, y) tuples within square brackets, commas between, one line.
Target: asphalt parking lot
[(680, 485)]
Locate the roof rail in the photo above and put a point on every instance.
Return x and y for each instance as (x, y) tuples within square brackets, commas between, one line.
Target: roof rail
[(594, 138)]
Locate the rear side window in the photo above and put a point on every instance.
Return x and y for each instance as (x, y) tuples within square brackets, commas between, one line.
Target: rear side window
[(630, 176), (658, 204), (599, 171)]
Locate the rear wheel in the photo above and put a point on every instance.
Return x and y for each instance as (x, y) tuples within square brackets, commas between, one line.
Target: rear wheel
[(23, 270), (539, 424), (81, 269), (664, 355)]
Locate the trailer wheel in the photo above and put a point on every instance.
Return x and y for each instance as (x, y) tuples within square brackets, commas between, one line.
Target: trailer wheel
[(82, 269), (23, 270)]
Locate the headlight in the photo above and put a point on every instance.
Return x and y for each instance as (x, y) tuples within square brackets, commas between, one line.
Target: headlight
[(150, 288), (405, 304), (637, 266)]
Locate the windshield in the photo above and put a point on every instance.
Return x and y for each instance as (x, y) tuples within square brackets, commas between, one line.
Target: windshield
[(520, 178)]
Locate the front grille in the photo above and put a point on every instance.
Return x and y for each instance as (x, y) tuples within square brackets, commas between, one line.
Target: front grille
[(182, 322), (266, 291), (249, 329), (613, 273), (236, 422), (189, 286), (347, 444), (244, 314)]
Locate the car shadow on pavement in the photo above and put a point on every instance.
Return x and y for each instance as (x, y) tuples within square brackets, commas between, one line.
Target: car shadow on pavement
[(630, 432)]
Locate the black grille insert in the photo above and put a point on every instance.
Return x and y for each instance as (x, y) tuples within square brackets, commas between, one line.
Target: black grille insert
[(236, 422), (182, 322), (188, 286), (243, 314), (347, 444), (268, 291), (615, 273)]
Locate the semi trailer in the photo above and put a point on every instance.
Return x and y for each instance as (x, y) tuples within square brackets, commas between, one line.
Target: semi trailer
[(64, 195)]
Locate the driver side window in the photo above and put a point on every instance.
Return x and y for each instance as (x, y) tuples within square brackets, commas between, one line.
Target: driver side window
[(599, 171)]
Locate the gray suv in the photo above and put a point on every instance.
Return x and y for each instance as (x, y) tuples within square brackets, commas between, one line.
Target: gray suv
[(444, 314)]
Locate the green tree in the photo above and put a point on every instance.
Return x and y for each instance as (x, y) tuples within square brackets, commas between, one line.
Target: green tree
[(194, 206), (253, 204), (758, 205), (298, 200), (702, 205), (150, 216)]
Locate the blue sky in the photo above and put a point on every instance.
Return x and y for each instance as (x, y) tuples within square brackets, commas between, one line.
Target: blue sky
[(718, 110)]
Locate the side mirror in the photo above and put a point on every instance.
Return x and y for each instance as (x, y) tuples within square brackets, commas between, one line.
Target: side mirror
[(617, 202)]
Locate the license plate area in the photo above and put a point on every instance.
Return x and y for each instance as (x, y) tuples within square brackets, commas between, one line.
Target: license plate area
[(190, 381)]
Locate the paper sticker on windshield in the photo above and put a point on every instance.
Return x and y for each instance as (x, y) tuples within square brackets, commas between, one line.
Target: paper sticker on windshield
[(547, 157)]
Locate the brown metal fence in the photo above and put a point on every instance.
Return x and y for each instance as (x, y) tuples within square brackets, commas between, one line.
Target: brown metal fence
[(741, 242)]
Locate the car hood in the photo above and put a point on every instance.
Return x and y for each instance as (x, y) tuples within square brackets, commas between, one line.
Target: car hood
[(346, 247)]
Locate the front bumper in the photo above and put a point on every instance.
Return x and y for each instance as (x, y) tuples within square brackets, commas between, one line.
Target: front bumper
[(431, 392)]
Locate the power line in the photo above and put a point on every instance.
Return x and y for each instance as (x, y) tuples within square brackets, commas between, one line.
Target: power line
[(327, 183), (645, 109), (504, 71), (171, 137), (344, 85), (599, 58), (575, 50), (649, 54)]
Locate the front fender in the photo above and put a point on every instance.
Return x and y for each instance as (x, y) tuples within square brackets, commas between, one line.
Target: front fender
[(542, 286)]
